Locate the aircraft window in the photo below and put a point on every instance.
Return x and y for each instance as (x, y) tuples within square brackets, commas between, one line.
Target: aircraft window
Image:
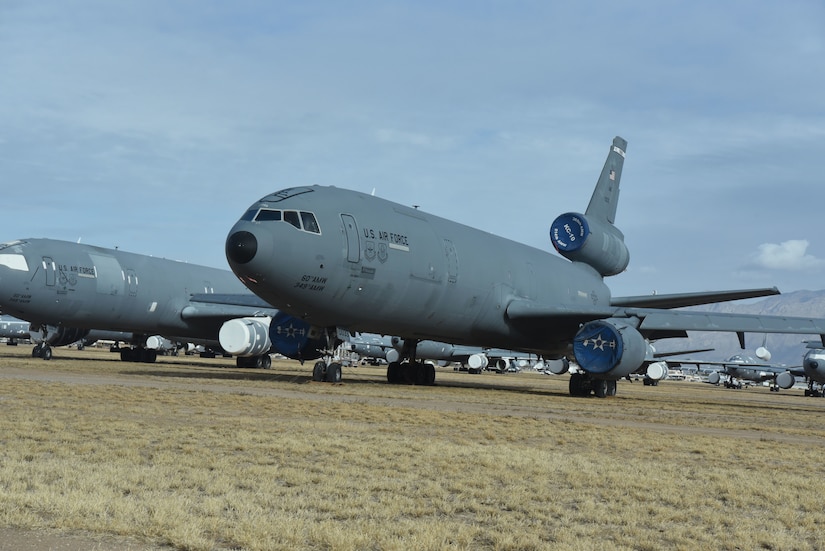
[(268, 214), (249, 215), (310, 224), (14, 261), (291, 216)]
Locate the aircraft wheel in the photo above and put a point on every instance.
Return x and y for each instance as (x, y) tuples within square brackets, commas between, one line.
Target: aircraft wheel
[(600, 388), (429, 374), (611, 388), (394, 373), (578, 385), (46, 352), (151, 356), (333, 373), (319, 371), (266, 361), (36, 351)]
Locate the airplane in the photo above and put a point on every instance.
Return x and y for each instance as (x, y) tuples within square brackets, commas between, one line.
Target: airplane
[(476, 359), (13, 329), (337, 258), (739, 368), (813, 369), (66, 290)]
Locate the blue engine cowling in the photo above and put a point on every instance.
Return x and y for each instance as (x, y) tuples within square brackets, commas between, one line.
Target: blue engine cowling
[(609, 349), (295, 338), (598, 244)]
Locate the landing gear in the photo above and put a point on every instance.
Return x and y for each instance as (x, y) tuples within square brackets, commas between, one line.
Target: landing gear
[(411, 373), (142, 355), (42, 350), (813, 391), (582, 384), (264, 361), (321, 372)]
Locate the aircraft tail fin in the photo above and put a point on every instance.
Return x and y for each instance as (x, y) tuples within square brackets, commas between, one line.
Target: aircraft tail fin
[(605, 197), (592, 238)]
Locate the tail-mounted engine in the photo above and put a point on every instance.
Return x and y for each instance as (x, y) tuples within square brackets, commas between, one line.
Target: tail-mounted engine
[(598, 244), (295, 338), (609, 349)]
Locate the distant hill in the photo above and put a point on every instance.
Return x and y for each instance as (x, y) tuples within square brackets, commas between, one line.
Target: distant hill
[(785, 349)]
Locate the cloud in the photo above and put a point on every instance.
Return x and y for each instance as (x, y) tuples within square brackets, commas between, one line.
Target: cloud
[(788, 255)]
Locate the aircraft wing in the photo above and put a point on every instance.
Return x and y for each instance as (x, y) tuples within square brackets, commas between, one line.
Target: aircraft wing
[(680, 300), (214, 305), (660, 323)]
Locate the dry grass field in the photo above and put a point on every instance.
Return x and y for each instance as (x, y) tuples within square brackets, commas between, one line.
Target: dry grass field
[(195, 454)]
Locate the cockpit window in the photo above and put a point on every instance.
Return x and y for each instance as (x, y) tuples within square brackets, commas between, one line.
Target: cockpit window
[(291, 216), (265, 215), (301, 220), (310, 224)]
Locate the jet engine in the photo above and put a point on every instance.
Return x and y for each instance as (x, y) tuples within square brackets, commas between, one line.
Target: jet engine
[(477, 363), (295, 338), (785, 380), (657, 371), (56, 335), (598, 244), (714, 378), (609, 349), (246, 336), (557, 367)]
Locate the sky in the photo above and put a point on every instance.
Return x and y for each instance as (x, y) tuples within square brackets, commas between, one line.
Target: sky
[(152, 125)]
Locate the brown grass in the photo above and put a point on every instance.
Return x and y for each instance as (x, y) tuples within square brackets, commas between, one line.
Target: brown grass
[(193, 455)]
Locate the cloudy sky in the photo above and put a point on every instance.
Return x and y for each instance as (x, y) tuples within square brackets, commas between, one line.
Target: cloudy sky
[(152, 125)]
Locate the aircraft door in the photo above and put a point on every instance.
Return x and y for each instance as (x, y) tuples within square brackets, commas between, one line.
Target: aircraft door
[(452, 261), (132, 282), (353, 240), (50, 269)]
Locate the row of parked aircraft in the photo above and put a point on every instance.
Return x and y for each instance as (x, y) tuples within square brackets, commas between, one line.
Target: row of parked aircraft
[(315, 264)]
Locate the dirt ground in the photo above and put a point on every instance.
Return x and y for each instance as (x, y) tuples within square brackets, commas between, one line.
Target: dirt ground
[(167, 374)]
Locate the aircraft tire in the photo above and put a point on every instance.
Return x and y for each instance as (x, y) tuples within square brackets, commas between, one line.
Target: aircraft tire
[(319, 371), (429, 374), (393, 373), (611, 388), (266, 361), (46, 352), (578, 386), (36, 351), (333, 374), (600, 388)]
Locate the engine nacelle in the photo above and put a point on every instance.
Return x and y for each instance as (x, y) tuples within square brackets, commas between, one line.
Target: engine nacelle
[(598, 244), (56, 335), (478, 362), (714, 378), (814, 364), (431, 350), (609, 349), (557, 367), (295, 338), (246, 336), (785, 380), (657, 371), (157, 342)]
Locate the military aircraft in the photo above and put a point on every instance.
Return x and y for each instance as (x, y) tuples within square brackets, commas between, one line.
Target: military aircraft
[(813, 369), (337, 258), (739, 368), (476, 359), (65, 290)]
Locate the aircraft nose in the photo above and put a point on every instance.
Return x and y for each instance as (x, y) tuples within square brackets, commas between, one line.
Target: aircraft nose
[(241, 247)]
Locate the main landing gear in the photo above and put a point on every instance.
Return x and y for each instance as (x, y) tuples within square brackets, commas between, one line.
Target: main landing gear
[(42, 350), (582, 384), (410, 372), (329, 373)]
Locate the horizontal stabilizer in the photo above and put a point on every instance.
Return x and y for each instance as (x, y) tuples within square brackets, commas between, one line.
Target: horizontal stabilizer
[(680, 300)]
